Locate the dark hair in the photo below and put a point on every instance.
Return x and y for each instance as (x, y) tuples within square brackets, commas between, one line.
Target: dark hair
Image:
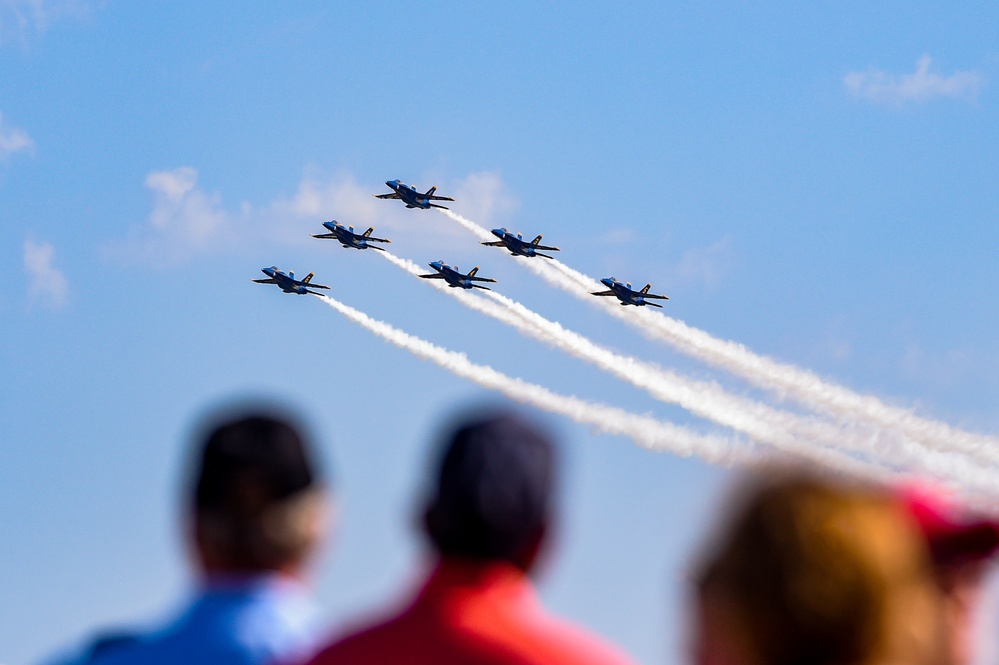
[(249, 491), (251, 461), (494, 490)]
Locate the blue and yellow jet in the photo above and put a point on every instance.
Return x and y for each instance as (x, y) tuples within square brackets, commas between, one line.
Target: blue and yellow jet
[(628, 296), (518, 246), (288, 283), (347, 237), (411, 197), (455, 278)]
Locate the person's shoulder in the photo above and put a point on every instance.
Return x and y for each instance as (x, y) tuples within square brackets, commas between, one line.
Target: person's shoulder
[(105, 647), (367, 642), (554, 640)]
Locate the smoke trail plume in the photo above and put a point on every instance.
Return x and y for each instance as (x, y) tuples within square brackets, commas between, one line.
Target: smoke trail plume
[(707, 400), (643, 430), (786, 380), (784, 431)]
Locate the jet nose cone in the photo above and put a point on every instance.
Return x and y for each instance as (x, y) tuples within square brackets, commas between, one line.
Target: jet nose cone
[(498, 232)]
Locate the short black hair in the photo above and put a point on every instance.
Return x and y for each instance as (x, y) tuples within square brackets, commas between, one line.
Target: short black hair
[(249, 461), (494, 490)]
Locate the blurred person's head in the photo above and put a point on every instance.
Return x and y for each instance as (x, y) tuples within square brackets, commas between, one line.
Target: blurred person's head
[(817, 572), (961, 547), (492, 499), (254, 500)]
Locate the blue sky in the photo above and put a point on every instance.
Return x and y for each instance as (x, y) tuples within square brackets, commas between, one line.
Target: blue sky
[(816, 182)]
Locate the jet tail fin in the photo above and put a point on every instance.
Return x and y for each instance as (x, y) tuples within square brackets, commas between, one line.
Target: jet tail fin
[(308, 278), (430, 192), (471, 273), (647, 287), (536, 240), (368, 232)]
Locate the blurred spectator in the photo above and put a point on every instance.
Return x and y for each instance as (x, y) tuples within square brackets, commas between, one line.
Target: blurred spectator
[(486, 522), (256, 512), (816, 572), (961, 547)]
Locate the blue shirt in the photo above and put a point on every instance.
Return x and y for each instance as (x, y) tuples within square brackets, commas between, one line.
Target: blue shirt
[(232, 621)]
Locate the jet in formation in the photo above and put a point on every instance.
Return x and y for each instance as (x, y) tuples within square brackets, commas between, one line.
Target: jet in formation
[(411, 197), (628, 296), (288, 283), (455, 278), (347, 237), (517, 245)]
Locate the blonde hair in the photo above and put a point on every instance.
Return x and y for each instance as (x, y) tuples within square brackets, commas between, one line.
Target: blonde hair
[(816, 572), (269, 538)]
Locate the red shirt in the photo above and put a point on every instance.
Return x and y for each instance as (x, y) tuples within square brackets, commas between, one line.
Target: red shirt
[(473, 613)]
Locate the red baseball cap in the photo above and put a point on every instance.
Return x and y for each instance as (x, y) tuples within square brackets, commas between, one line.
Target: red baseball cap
[(953, 536)]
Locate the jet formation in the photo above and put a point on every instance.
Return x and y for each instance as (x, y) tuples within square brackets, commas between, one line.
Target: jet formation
[(413, 198)]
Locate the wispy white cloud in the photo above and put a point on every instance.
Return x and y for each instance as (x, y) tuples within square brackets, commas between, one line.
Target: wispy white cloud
[(484, 197), (13, 139), (45, 282), (319, 198), (707, 265), (22, 19), (884, 88), (185, 220)]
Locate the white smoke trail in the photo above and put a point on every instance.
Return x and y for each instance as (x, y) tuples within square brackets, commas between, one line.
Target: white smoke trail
[(707, 400), (643, 430), (786, 380), (784, 431)]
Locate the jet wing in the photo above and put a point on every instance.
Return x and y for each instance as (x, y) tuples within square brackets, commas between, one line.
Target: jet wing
[(310, 285), (324, 235), (602, 293), (653, 295), (480, 279), (370, 239), (270, 280), (652, 304), (438, 198), (393, 195), (498, 243), (554, 249), (436, 275)]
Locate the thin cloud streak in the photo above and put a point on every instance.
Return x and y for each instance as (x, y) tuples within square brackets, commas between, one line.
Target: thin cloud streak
[(923, 85), (23, 19), (45, 282), (14, 139)]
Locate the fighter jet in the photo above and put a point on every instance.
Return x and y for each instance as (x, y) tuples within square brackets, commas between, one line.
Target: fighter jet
[(288, 283), (347, 237), (411, 197), (627, 295), (455, 278), (517, 245)]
